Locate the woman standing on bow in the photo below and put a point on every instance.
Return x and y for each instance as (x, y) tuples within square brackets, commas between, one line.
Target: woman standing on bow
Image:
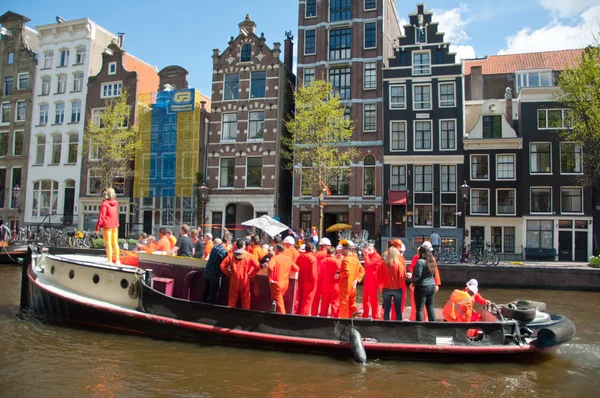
[(108, 220)]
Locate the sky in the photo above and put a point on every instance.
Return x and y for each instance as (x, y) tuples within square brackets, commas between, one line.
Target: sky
[(184, 32)]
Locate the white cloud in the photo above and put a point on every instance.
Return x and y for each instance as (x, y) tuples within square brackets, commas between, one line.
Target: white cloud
[(463, 52), (453, 23), (567, 8), (556, 35)]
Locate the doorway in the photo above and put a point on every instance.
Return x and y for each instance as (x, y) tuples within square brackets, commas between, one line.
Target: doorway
[(399, 221), (368, 223), (148, 221), (69, 204), (330, 219), (477, 237), (565, 245), (581, 246)]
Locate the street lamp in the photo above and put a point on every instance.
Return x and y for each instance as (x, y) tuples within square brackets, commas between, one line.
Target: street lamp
[(16, 195), (203, 197)]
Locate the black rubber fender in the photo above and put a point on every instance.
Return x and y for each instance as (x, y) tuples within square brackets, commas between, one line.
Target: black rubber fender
[(518, 313), (556, 334), (134, 290), (539, 305), (357, 347)]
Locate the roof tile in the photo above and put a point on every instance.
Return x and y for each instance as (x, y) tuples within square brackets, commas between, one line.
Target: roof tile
[(499, 64)]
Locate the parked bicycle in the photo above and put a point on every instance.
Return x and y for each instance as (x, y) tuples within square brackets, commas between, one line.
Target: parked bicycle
[(448, 255)]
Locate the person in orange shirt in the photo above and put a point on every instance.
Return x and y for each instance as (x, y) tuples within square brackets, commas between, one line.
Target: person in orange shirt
[(239, 267), (290, 249), (460, 306), (307, 279), (150, 246), (436, 278), (172, 238), (370, 299), (208, 245), (324, 244), (351, 273), (279, 270), (391, 275), (330, 283), (163, 244), (257, 251)]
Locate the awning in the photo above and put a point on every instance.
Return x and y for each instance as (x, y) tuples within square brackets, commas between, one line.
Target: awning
[(397, 198)]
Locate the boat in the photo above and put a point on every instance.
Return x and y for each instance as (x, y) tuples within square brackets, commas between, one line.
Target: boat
[(160, 299), (11, 252)]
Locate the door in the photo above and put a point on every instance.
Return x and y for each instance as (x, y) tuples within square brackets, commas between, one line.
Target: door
[(581, 246), (123, 225), (565, 245), (69, 206), (230, 213), (368, 224), (477, 237), (398, 222), (148, 221)]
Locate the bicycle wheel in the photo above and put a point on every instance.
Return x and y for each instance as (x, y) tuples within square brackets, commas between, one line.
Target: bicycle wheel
[(87, 242), (454, 257), (496, 259), (487, 259), (444, 257)]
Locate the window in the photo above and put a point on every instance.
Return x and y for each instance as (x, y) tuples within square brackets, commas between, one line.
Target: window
[(64, 57), (80, 56), (423, 178), (77, 81), (310, 41), (19, 136), (347, 112), (254, 172), (370, 35), (21, 111), (422, 96), (540, 234), (448, 179), (340, 184), (94, 182), (505, 202), (571, 200), (421, 64), (492, 127), (311, 9), (309, 76), (551, 119), (447, 134), (340, 80), (447, 95), (23, 82), (258, 84), (48, 59), (59, 113), (397, 97), (423, 215), (571, 158), (45, 85), (370, 79), (56, 148), (246, 53), (10, 58), (256, 125), (8, 85), (479, 201), (44, 114), (533, 79), (73, 148), (340, 10), (420, 35), (3, 143), (229, 132), (6, 109), (45, 198), (340, 43), (97, 117), (370, 5), (509, 240), (505, 167), (231, 88), (40, 150), (75, 111), (369, 176), (398, 182), (479, 167), (539, 158), (227, 173), (423, 135), (398, 138), (110, 90), (448, 216), (541, 200), (61, 85), (112, 68), (369, 117)]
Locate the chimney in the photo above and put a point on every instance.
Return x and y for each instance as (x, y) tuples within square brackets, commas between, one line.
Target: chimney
[(509, 106), (288, 57), (476, 83), (121, 37)]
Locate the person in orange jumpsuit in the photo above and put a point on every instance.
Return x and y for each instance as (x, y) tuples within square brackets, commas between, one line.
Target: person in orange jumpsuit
[(324, 244), (257, 251), (163, 244), (351, 273), (239, 267), (330, 283), (460, 306), (279, 270), (477, 297), (290, 249), (370, 298), (436, 277), (307, 279), (208, 245)]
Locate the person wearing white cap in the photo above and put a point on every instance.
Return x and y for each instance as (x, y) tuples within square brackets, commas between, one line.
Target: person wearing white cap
[(290, 249), (324, 243), (477, 297), (460, 306)]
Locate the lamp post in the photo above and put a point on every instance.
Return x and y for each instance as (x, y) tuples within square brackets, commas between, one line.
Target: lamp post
[(16, 194), (203, 197), (464, 190)]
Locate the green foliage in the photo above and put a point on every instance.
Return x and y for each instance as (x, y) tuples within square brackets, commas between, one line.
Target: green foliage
[(595, 261), (581, 94), (98, 243), (114, 142)]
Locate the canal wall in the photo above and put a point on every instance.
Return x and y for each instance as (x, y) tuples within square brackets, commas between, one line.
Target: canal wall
[(523, 276)]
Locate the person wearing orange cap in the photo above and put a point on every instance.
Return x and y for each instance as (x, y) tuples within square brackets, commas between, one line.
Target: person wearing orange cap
[(324, 244), (239, 267), (279, 269), (290, 249), (351, 273), (307, 279), (370, 298), (436, 278)]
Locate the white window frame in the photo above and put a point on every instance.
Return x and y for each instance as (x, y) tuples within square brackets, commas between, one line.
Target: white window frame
[(560, 147), (89, 181), (263, 126), (424, 28), (219, 176), (2, 121), (312, 16), (364, 169), (73, 109), (7, 141), (402, 104), (19, 81), (368, 9), (365, 119), (440, 84), (487, 156), (15, 142), (440, 134), (392, 177), (60, 55), (365, 75), (64, 108), (17, 111), (48, 86), (304, 76), (455, 215), (427, 72), (47, 111), (78, 54), (37, 146), (60, 146), (415, 135), (223, 125), (365, 35), (252, 81), (563, 117), (514, 162), (392, 122), (112, 68), (75, 80), (455, 179), (471, 201), (531, 200), (414, 98), (304, 49), (582, 200), (48, 60), (514, 213), (529, 158), (415, 180), (60, 82), (522, 76), (119, 84), (246, 173)]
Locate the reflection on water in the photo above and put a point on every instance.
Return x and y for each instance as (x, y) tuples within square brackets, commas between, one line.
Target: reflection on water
[(47, 361)]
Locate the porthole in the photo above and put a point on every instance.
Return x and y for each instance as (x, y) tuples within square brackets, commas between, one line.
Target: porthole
[(96, 279), (124, 283), (475, 334), (52, 270), (71, 274)]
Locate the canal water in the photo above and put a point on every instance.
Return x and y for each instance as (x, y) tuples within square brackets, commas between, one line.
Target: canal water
[(38, 360)]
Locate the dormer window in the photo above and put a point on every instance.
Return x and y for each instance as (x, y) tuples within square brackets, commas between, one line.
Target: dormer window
[(246, 53), (420, 35), (112, 68), (539, 78), (421, 63)]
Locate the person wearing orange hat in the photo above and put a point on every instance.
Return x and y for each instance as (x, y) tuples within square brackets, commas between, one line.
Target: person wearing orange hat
[(239, 267), (290, 249), (279, 269), (324, 244), (307, 279), (351, 273), (370, 299), (436, 278), (330, 285)]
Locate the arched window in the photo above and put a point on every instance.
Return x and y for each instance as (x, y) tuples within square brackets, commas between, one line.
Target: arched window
[(246, 55), (369, 175), (45, 198)]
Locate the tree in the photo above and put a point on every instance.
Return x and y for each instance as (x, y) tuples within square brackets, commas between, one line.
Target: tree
[(320, 150), (113, 141), (581, 94)]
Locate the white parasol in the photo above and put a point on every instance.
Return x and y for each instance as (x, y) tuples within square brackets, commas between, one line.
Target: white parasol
[(267, 224)]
